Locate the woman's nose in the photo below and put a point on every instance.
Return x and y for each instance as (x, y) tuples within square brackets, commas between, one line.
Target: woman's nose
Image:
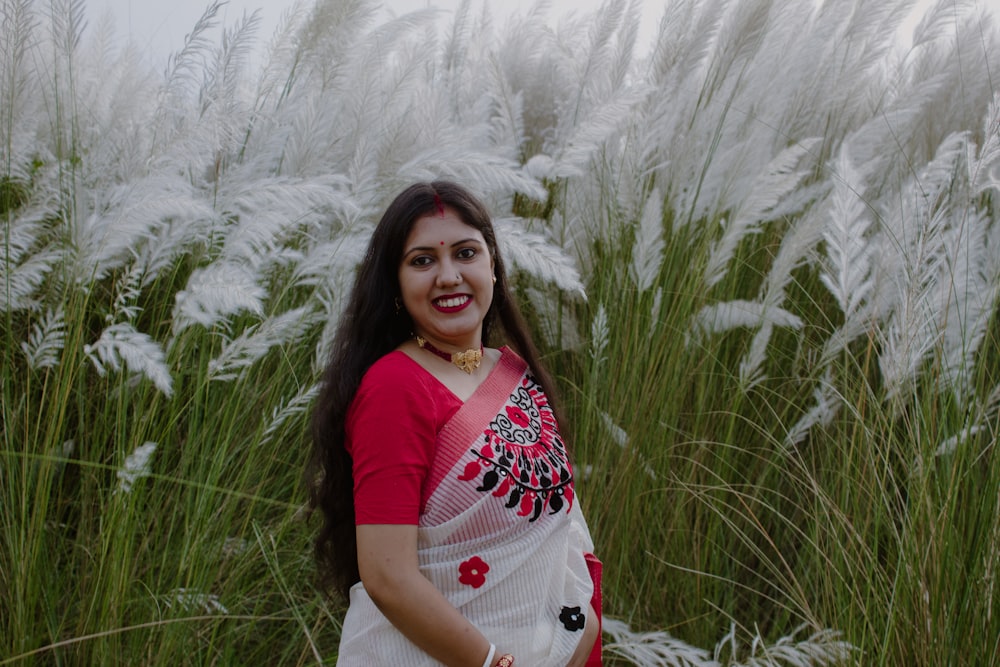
[(448, 274)]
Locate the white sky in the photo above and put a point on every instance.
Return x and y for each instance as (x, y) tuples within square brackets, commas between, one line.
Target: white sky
[(160, 26)]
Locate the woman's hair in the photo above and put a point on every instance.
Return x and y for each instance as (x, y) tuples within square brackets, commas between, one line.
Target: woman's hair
[(371, 327)]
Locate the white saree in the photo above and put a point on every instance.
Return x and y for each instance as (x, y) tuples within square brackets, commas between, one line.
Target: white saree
[(500, 533)]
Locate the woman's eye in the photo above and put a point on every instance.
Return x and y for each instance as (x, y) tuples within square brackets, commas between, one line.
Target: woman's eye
[(466, 253), (422, 260)]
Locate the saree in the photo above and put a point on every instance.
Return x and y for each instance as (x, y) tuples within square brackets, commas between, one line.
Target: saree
[(500, 533)]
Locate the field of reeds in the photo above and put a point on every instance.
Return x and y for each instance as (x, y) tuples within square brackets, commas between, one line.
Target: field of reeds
[(763, 259)]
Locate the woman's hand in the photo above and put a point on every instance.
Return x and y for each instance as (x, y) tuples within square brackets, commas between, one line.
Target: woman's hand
[(387, 560), (586, 645)]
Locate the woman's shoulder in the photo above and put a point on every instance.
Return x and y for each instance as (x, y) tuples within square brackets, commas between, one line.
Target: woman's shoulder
[(395, 370), (393, 362), (391, 382), (397, 385), (507, 353), (511, 360)]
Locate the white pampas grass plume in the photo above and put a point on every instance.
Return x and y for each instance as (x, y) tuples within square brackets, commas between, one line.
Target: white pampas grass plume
[(135, 219), (331, 265), (949, 445), (620, 438), (863, 322), (966, 297), (127, 291), (592, 132), (599, 333), (216, 292), (616, 432), (254, 342), (778, 181), (265, 210), (137, 466), (485, 171), (22, 233), (721, 317), (121, 346), (992, 402), (185, 67), (847, 269), (46, 341), (651, 649), (540, 166), (537, 256), (984, 171), (183, 221), (977, 422), (297, 404), (967, 288), (559, 327), (193, 601), (750, 373), (827, 402), (647, 252), (18, 80), (23, 271), (796, 245), (330, 268), (821, 648), (234, 546), (654, 312), (104, 237), (917, 247), (908, 337)]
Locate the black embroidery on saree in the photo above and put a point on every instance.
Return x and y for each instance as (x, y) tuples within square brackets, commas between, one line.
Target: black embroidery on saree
[(522, 457), (572, 618)]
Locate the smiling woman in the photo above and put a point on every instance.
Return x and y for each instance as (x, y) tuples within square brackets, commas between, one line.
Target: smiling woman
[(451, 522)]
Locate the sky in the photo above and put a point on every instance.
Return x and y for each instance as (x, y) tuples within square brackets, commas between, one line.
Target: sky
[(160, 27)]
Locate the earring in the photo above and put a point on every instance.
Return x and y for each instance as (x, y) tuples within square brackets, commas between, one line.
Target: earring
[(399, 305), (494, 279)]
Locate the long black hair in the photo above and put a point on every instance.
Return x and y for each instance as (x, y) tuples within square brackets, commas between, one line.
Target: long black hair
[(371, 327)]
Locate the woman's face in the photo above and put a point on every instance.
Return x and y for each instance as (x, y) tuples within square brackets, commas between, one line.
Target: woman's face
[(446, 280)]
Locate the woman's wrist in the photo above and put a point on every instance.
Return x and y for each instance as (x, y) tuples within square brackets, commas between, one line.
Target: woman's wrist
[(506, 660), (488, 662)]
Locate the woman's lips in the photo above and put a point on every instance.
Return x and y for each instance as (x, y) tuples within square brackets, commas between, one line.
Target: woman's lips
[(452, 303)]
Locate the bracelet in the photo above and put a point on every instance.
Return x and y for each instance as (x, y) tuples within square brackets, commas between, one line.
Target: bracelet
[(506, 660), (489, 656)]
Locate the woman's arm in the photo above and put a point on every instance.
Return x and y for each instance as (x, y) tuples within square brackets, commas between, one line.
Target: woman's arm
[(587, 641), (387, 560)]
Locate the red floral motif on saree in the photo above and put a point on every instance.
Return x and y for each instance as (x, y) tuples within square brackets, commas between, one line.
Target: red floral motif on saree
[(522, 457), (473, 572)]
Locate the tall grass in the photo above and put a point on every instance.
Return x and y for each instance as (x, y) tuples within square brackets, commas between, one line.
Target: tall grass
[(763, 260)]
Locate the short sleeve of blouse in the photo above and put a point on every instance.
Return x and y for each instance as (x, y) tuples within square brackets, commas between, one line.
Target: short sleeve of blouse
[(391, 429)]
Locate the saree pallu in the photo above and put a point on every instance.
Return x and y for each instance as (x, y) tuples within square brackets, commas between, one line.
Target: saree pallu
[(500, 533)]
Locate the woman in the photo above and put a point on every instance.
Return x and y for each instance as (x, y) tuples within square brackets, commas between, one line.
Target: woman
[(450, 520)]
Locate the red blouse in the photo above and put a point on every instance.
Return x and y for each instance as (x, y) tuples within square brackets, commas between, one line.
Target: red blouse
[(391, 427)]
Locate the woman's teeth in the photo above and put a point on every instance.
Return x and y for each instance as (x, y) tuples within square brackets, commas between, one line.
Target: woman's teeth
[(453, 302)]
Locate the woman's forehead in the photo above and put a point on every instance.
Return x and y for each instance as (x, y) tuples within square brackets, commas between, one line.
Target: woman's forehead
[(435, 229)]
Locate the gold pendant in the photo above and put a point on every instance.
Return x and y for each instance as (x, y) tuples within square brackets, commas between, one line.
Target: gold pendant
[(467, 361)]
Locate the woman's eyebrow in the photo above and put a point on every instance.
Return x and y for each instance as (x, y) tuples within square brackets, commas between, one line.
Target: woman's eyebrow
[(430, 247), (465, 241)]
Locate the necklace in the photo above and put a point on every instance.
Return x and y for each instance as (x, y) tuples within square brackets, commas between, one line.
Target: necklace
[(467, 361)]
